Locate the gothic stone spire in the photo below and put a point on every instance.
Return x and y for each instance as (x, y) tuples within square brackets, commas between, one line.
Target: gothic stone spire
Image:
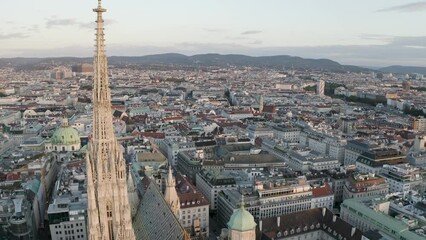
[(108, 204)]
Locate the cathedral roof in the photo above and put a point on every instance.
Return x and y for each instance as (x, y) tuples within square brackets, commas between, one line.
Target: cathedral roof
[(154, 218)]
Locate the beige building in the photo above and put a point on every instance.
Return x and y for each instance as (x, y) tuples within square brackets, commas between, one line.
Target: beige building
[(364, 185), (419, 124), (188, 205)]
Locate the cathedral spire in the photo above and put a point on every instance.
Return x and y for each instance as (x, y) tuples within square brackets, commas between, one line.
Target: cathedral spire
[(108, 204)]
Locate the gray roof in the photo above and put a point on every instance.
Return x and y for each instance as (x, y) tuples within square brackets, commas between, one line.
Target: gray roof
[(154, 218)]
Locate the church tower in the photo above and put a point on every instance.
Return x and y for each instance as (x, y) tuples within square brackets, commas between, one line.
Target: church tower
[(170, 194), (108, 204)]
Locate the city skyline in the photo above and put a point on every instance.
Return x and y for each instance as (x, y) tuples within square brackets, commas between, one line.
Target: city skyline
[(364, 33)]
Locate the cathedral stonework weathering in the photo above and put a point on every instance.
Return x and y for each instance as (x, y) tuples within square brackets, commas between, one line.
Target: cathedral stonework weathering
[(109, 213)]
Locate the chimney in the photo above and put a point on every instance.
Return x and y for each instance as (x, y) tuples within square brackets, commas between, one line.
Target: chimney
[(278, 221), (353, 231), (260, 225), (334, 218), (324, 211)]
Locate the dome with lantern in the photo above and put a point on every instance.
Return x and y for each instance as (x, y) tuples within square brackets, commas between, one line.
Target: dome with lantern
[(64, 139)]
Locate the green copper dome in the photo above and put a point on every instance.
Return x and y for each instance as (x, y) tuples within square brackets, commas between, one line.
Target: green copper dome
[(65, 135), (241, 220)]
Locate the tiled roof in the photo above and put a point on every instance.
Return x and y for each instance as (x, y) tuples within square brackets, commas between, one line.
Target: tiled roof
[(188, 195), (154, 218), (322, 191), (307, 221)]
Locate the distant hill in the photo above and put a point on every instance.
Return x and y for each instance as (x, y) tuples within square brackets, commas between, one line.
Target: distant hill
[(279, 62), (403, 69)]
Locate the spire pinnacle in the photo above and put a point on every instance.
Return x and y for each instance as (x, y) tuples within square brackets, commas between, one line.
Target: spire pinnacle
[(65, 122), (170, 180)]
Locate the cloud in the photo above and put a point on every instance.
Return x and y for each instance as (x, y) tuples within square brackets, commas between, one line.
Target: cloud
[(410, 7), (12, 36), (377, 37), (32, 28), (406, 41), (215, 30), (250, 32), (403, 41), (92, 25), (55, 22), (256, 42)]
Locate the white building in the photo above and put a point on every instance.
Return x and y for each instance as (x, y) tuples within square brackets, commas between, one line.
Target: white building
[(401, 177), (288, 134), (67, 214), (255, 131)]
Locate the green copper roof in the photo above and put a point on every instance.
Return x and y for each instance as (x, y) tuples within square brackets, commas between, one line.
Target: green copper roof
[(65, 136), (242, 220), (391, 226)]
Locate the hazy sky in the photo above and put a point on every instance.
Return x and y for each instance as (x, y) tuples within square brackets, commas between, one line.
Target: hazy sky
[(362, 32)]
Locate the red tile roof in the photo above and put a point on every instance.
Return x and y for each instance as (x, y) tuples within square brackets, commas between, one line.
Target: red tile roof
[(322, 191)]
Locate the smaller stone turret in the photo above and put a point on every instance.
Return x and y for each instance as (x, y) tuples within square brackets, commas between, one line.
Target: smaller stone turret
[(170, 194)]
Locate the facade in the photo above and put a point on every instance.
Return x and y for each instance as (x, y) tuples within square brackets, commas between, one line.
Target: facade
[(338, 182), (189, 164), (68, 212), (211, 184), (354, 149), (323, 197), (289, 134), (419, 124), (305, 160), (109, 213), (255, 131), (365, 185), (272, 200), (67, 219), (188, 205), (194, 208), (373, 161), (325, 144), (402, 177), (171, 148)]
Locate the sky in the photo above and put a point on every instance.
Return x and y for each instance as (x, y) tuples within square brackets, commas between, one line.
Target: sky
[(361, 32)]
